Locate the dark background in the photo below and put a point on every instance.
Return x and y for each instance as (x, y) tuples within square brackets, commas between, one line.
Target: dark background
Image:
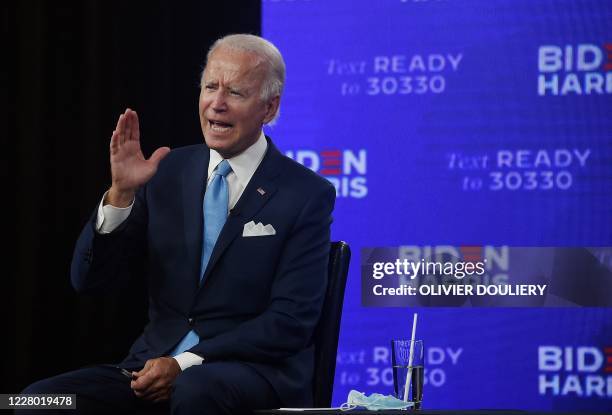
[(71, 69)]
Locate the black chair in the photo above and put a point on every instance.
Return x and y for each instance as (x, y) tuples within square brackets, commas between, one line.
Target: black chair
[(328, 330)]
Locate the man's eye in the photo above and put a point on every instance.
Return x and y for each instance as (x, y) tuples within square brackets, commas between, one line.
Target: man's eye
[(235, 93), (210, 87)]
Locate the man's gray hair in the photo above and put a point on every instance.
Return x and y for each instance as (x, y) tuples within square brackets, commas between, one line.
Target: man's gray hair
[(274, 81)]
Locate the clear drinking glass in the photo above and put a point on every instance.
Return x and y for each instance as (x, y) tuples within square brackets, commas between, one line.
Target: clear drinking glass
[(403, 369)]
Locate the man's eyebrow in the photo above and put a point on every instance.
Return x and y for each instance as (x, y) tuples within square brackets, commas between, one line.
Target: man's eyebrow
[(237, 87)]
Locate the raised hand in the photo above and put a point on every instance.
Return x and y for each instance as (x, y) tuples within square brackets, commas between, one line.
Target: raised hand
[(129, 168)]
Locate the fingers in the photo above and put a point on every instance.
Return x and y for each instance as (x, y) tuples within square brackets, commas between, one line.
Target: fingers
[(132, 126), (135, 127), (158, 155), (127, 117), (127, 128), (114, 143), (154, 381), (162, 394), (152, 389), (145, 378), (121, 129), (143, 390), (118, 134), (142, 385), (145, 369)]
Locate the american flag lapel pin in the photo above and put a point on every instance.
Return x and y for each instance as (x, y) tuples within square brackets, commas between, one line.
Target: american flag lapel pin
[(261, 191)]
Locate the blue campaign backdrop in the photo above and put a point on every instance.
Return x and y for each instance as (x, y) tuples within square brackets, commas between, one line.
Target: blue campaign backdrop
[(459, 122)]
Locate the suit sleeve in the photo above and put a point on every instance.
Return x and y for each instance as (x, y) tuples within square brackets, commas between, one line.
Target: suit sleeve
[(297, 294), (101, 261)]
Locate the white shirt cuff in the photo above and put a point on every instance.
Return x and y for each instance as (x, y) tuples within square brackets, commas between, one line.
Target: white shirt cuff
[(188, 359), (110, 217)]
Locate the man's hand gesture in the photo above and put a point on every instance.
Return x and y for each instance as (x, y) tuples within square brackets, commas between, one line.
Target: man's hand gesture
[(129, 168)]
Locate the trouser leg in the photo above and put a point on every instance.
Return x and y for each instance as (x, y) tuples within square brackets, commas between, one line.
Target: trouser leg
[(99, 389), (221, 388)]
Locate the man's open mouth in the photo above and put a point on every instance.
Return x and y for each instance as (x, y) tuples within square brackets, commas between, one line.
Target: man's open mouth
[(219, 126)]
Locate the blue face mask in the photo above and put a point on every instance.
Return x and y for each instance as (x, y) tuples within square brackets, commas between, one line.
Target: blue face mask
[(374, 402)]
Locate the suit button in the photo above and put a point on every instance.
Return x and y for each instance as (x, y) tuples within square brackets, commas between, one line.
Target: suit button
[(191, 321)]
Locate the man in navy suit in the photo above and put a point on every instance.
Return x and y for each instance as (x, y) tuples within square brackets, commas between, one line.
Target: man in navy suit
[(231, 330)]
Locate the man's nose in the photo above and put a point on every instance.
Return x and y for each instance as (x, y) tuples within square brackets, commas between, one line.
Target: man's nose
[(218, 103)]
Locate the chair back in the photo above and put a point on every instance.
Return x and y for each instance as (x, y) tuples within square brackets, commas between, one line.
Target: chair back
[(328, 329)]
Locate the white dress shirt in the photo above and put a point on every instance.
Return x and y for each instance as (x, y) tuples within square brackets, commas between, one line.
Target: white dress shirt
[(243, 167)]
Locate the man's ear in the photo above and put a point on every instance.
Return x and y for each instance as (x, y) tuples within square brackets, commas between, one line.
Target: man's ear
[(271, 108)]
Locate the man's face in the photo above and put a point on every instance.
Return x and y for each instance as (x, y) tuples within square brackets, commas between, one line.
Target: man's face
[(231, 109)]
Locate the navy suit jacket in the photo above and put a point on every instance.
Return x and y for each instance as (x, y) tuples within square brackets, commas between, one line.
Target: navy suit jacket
[(261, 296)]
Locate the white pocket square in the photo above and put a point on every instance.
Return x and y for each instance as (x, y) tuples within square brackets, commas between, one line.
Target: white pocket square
[(257, 229)]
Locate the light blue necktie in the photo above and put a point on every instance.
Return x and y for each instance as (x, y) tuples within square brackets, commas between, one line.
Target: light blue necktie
[(215, 207)]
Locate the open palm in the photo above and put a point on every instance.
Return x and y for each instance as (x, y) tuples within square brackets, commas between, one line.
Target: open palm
[(129, 168)]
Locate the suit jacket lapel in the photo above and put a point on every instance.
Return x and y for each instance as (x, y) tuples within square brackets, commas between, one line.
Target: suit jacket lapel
[(193, 186), (251, 201)]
